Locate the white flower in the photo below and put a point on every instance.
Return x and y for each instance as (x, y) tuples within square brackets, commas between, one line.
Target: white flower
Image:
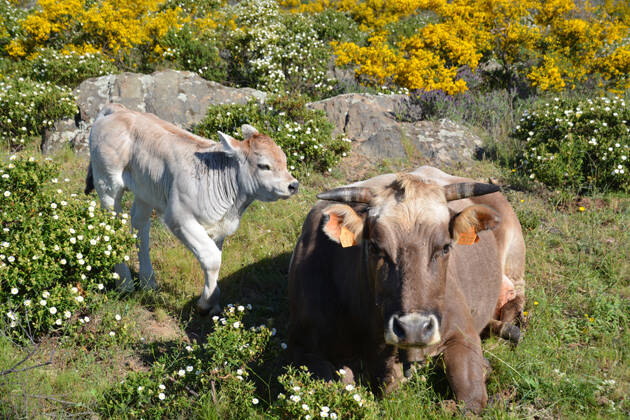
[(67, 314), (88, 267), (305, 407), (181, 372), (79, 298), (189, 349), (53, 205), (249, 306), (74, 290), (333, 415), (100, 286), (341, 372), (62, 261), (325, 409), (189, 368), (14, 291), (349, 387), (43, 302), (112, 333), (215, 318), (7, 193), (283, 346), (53, 310), (73, 240), (46, 294), (58, 321), (27, 302), (239, 371), (11, 258), (236, 324), (295, 398), (161, 395), (86, 319), (161, 386), (356, 397), (273, 332), (79, 256), (323, 414), (241, 308), (140, 388), (92, 242)]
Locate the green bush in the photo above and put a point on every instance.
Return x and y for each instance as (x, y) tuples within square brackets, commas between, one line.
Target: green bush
[(28, 107), (57, 252), (304, 135), (277, 52), (577, 143), (182, 381), (310, 398), (333, 25), (187, 51), (69, 69)]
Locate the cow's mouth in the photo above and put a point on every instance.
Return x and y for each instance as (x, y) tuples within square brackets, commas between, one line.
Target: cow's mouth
[(412, 330)]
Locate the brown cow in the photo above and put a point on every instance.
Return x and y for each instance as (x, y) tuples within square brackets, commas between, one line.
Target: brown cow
[(374, 275)]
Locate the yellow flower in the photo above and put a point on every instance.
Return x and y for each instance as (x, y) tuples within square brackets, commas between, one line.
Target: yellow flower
[(581, 208), (535, 302)]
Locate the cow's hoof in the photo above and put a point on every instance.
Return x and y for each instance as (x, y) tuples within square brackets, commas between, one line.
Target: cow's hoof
[(147, 281), (211, 310), (511, 332)]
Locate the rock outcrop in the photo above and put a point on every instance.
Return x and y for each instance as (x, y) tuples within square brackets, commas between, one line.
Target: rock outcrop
[(372, 122), (179, 97)]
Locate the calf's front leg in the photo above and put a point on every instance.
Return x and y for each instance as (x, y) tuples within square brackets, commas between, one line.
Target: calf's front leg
[(466, 370), (194, 236), (141, 221)]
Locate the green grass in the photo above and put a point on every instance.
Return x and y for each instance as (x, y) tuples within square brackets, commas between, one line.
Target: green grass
[(577, 335)]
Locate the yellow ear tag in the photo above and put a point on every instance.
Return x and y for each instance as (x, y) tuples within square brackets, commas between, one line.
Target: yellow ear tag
[(346, 238), (469, 237)]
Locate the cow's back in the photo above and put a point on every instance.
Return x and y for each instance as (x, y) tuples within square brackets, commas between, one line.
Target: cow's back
[(142, 152)]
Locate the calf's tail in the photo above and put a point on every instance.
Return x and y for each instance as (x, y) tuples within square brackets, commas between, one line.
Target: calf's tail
[(89, 180)]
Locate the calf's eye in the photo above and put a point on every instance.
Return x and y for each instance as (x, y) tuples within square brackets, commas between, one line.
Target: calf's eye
[(264, 167), (446, 249)]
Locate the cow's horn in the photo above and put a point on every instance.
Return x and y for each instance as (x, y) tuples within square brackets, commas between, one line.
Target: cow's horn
[(347, 195), (468, 189)]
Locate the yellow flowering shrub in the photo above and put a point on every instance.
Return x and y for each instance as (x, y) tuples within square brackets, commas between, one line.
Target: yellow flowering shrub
[(553, 44)]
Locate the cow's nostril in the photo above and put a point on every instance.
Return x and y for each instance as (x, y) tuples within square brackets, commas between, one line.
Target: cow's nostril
[(427, 327), (397, 328), (293, 187)]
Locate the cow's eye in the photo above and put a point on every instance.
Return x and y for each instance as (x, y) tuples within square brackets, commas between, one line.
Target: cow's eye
[(264, 167), (446, 249)]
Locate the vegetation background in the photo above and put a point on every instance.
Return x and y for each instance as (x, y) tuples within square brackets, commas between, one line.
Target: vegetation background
[(545, 83)]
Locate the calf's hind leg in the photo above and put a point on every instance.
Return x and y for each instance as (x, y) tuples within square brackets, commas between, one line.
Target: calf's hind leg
[(141, 221), (111, 199)]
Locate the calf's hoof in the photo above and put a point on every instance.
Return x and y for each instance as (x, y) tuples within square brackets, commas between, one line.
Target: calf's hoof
[(211, 305), (147, 281)]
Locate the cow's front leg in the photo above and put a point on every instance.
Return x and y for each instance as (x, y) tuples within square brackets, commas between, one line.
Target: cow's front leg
[(141, 221), (466, 370), (384, 370), (194, 236)]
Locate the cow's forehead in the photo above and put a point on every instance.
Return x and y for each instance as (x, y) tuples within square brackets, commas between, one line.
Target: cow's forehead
[(262, 145), (410, 202)]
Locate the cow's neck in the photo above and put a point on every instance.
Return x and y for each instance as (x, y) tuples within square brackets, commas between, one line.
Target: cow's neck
[(224, 195)]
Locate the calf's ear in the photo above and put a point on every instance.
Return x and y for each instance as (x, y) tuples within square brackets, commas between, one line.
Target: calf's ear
[(342, 225), (464, 226), (248, 131), (231, 146)]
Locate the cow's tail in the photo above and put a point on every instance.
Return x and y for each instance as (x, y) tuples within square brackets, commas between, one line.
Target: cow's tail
[(107, 110), (89, 180)]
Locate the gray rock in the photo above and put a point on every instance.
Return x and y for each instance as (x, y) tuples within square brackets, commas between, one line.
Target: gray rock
[(370, 121), (179, 97)]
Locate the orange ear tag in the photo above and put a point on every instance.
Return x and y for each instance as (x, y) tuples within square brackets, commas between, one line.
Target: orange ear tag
[(469, 237), (346, 238)]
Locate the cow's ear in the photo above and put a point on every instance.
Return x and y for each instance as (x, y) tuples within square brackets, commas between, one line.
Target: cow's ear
[(248, 131), (230, 144), (472, 220), (342, 225)]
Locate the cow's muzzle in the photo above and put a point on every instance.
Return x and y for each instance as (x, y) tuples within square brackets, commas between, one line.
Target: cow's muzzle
[(412, 330), (293, 187)]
